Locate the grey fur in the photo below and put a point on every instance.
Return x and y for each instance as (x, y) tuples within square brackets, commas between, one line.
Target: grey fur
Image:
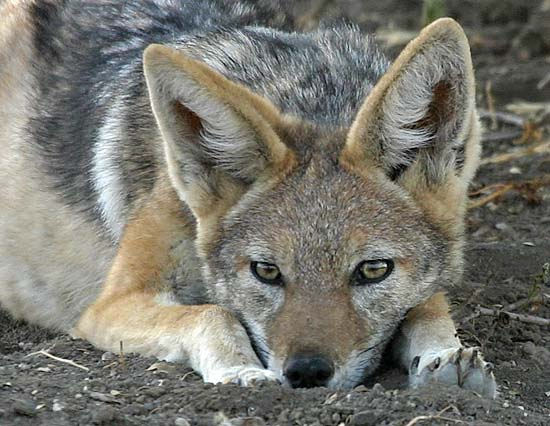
[(89, 65)]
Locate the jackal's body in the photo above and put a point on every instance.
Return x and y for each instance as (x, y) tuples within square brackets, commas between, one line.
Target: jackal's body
[(102, 199)]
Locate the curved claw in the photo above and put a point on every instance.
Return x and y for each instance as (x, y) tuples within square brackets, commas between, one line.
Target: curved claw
[(414, 365)]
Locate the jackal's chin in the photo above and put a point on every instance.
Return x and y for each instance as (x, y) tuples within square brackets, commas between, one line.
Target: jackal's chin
[(359, 365)]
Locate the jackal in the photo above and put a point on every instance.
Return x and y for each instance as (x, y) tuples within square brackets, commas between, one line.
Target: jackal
[(188, 178)]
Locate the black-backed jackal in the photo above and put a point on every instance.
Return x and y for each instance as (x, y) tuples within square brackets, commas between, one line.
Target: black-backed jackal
[(307, 195)]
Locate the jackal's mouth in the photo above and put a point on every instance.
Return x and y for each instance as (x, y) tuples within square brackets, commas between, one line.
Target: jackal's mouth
[(258, 342)]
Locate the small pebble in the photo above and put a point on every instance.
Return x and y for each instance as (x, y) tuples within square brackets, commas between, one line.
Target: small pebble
[(98, 396), (529, 348), (104, 415), (162, 367), (180, 421), (25, 345), (155, 392), (25, 408), (378, 388), (57, 407), (150, 406), (366, 418), (221, 419)]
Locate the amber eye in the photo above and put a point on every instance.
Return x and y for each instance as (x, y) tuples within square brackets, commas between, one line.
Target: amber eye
[(267, 273), (373, 271)]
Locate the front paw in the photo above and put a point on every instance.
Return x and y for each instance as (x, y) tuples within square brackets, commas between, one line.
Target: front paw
[(245, 375), (464, 367)]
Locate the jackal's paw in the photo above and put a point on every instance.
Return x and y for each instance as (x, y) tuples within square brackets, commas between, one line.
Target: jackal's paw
[(245, 375), (464, 367)]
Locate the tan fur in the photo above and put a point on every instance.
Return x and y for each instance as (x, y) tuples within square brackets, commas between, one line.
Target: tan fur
[(428, 327), (208, 337), (144, 250)]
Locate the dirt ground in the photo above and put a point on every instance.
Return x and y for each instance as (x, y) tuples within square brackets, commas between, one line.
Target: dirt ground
[(509, 244)]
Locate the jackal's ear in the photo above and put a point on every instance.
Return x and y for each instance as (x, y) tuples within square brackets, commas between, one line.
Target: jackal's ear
[(219, 137), (419, 122)]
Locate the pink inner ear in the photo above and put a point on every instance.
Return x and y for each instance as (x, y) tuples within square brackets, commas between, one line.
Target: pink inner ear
[(189, 119)]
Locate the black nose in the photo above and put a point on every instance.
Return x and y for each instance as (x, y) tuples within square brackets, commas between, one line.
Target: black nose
[(308, 371)]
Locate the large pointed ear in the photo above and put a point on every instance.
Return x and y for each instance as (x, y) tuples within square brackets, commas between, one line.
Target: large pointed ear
[(419, 123), (219, 137)]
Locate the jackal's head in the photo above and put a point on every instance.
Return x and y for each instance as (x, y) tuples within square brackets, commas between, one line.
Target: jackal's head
[(321, 239)]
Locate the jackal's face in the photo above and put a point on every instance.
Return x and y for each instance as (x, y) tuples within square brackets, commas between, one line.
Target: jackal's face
[(321, 239)]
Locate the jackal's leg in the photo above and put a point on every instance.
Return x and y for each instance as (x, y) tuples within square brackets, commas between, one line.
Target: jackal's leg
[(133, 306), (428, 347)]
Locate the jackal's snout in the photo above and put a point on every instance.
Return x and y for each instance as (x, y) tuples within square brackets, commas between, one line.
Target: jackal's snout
[(308, 370)]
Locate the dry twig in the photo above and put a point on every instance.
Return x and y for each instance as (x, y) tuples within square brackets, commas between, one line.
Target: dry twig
[(503, 117), (434, 417), (540, 148), (502, 189), (537, 299), (63, 360), (530, 319), (121, 358), (503, 135), (506, 310), (491, 104), (526, 188), (437, 416)]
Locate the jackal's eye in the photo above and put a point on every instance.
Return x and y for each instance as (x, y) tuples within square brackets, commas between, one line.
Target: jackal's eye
[(373, 271), (267, 273)]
